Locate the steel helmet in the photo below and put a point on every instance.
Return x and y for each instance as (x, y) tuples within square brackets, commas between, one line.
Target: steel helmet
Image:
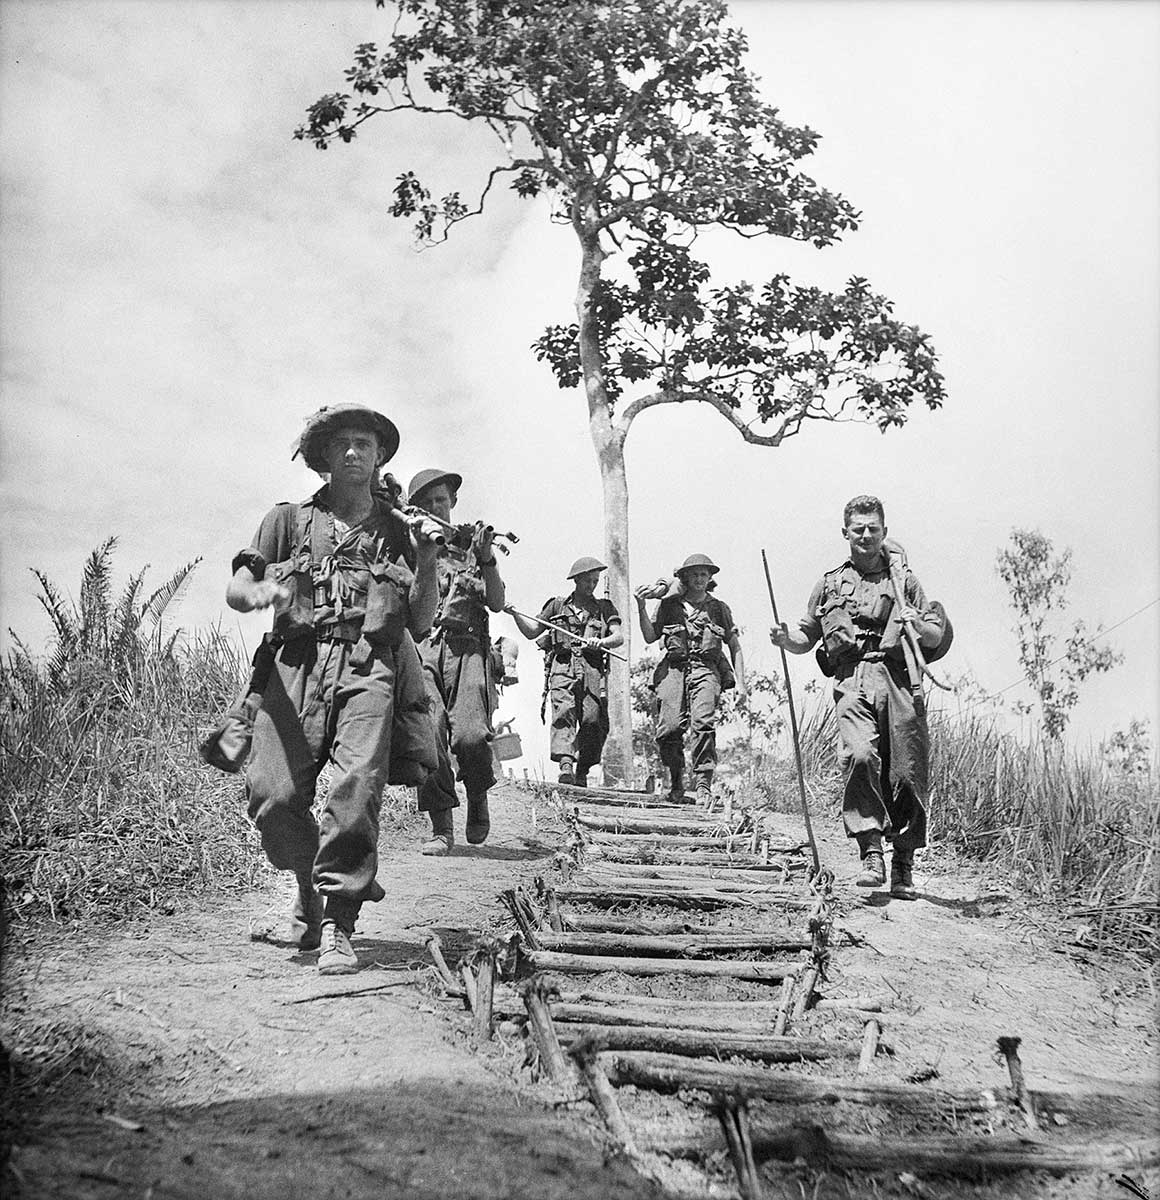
[(429, 478), (585, 564), (697, 560), (311, 443)]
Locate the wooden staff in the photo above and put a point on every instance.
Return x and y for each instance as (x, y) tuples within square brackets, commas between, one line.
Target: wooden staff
[(560, 629), (797, 744)]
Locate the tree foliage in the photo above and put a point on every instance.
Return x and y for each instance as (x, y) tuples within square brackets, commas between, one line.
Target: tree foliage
[(1037, 582), (644, 126)]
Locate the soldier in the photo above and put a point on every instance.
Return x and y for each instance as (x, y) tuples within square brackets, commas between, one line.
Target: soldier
[(882, 736), (695, 627), (350, 585), (457, 667), (576, 668)]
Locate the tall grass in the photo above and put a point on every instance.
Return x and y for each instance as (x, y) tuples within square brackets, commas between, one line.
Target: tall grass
[(105, 807), (1077, 829)]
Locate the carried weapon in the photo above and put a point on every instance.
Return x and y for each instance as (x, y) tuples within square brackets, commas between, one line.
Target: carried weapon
[(560, 629), (797, 745), (916, 664), (443, 532)]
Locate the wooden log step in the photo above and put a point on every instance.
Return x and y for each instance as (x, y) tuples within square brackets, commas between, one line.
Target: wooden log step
[(714, 1043), (958, 1155), (624, 795), (662, 841), (689, 882), (757, 972), (669, 860), (755, 1009), (609, 895), (603, 923), (703, 826), (759, 876), (705, 1019), (680, 945), (672, 1072)]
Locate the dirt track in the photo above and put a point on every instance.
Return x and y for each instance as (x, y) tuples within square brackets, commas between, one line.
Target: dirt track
[(247, 1082)]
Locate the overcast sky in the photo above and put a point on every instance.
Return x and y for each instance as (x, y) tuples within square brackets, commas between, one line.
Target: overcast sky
[(181, 283)]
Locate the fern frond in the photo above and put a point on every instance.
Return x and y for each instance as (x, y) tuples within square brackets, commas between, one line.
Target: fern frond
[(96, 598), (168, 596)]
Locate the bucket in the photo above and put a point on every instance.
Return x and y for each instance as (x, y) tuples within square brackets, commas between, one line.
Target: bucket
[(507, 746)]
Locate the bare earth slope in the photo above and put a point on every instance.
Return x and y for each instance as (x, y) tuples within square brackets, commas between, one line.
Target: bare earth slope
[(220, 1067)]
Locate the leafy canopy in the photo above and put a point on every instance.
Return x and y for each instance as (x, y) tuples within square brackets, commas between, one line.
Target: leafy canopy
[(641, 123)]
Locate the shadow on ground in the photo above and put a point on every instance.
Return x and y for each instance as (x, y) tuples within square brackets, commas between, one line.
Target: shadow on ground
[(417, 1140)]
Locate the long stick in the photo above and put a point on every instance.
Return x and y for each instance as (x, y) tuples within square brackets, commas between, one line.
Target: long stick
[(560, 629), (916, 666), (797, 745)]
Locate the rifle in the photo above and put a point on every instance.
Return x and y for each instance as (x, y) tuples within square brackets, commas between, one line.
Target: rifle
[(460, 536), (916, 665), (559, 629)]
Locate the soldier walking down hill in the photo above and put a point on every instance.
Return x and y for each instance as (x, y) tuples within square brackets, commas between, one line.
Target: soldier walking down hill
[(695, 628), (457, 666), (350, 585), (858, 611), (576, 668)]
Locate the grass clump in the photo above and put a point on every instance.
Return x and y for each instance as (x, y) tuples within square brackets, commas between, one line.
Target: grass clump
[(105, 807)]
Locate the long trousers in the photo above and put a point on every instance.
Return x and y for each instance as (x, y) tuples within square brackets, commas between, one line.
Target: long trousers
[(688, 696), (579, 712), (318, 708), (883, 750), (461, 693)]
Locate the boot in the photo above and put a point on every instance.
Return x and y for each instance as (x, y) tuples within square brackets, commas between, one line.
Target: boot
[(873, 870), (901, 878), (581, 776), (336, 956), (478, 818), (567, 770), (704, 794), (677, 787), (442, 833)]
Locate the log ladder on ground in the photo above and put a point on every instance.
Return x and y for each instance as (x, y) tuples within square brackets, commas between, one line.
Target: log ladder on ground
[(672, 970)]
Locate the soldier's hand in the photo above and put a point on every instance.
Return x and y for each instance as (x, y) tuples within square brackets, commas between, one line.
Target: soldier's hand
[(908, 614), (592, 643), (742, 695), (779, 635), (643, 592), (481, 543), (265, 592)]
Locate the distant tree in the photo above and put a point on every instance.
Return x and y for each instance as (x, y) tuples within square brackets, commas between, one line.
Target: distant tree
[(1037, 581), (642, 125)]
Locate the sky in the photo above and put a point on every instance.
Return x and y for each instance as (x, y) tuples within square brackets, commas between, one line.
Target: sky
[(181, 283)]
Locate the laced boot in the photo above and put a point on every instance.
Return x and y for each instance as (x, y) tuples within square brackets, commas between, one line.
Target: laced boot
[(567, 770), (336, 956), (704, 794), (901, 877), (478, 818), (306, 914), (442, 834), (873, 865), (677, 787)]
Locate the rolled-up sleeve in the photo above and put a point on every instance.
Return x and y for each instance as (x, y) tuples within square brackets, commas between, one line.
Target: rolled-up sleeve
[(270, 544), (811, 625)]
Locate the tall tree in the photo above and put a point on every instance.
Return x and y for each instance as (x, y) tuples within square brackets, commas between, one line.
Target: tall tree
[(642, 124)]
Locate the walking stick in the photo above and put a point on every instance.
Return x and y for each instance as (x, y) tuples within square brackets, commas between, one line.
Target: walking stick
[(558, 629), (797, 745), (916, 665)]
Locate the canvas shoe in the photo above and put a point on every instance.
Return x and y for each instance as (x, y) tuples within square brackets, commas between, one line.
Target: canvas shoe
[(335, 954)]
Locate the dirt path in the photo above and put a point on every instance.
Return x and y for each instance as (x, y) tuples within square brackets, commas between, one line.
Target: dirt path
[(245, 1080)]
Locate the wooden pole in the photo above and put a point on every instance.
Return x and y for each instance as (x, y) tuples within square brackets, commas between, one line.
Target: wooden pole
[(684, 945), (804, 991), (734, 1118), (869, 1046), (534, 994), (435, 949), (613, 897), (782, 1019), (485, 990), (709, 1043), (520, 917), (603, 1097), (797, 742), (1009, 1049)]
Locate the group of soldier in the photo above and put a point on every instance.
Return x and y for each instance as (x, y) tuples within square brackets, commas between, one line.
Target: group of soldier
[(380, 665)]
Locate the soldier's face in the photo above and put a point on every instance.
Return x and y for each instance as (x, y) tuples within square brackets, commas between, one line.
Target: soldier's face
[(438, 501), (352, 456), (697, 579), (586, 582), (865, 533)]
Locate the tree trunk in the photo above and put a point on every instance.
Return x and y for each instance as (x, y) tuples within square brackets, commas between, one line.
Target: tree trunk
[(609, 445)]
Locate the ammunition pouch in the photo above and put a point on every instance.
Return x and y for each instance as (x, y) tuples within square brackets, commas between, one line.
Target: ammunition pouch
[(293, 617), (675, 640), (839, 636), (387, 607)]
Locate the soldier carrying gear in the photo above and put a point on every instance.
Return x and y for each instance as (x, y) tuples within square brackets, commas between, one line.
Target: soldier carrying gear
[(350, 588), (457, 665), (576, 668), (859, 613), (694, 629)]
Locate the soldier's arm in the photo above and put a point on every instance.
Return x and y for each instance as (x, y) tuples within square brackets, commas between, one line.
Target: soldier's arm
[(738, 665), (924, 620), (424, 594), (248, 588), (529, 628), (802, 639), (614, 638), (648, 629)]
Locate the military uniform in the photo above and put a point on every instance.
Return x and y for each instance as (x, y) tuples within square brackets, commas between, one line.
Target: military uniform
[(345, 687), (576, 678), (689, 680), (460, 683), (882, 736)]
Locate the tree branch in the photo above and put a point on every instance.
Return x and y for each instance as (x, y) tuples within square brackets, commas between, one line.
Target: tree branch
[(790, 424)]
